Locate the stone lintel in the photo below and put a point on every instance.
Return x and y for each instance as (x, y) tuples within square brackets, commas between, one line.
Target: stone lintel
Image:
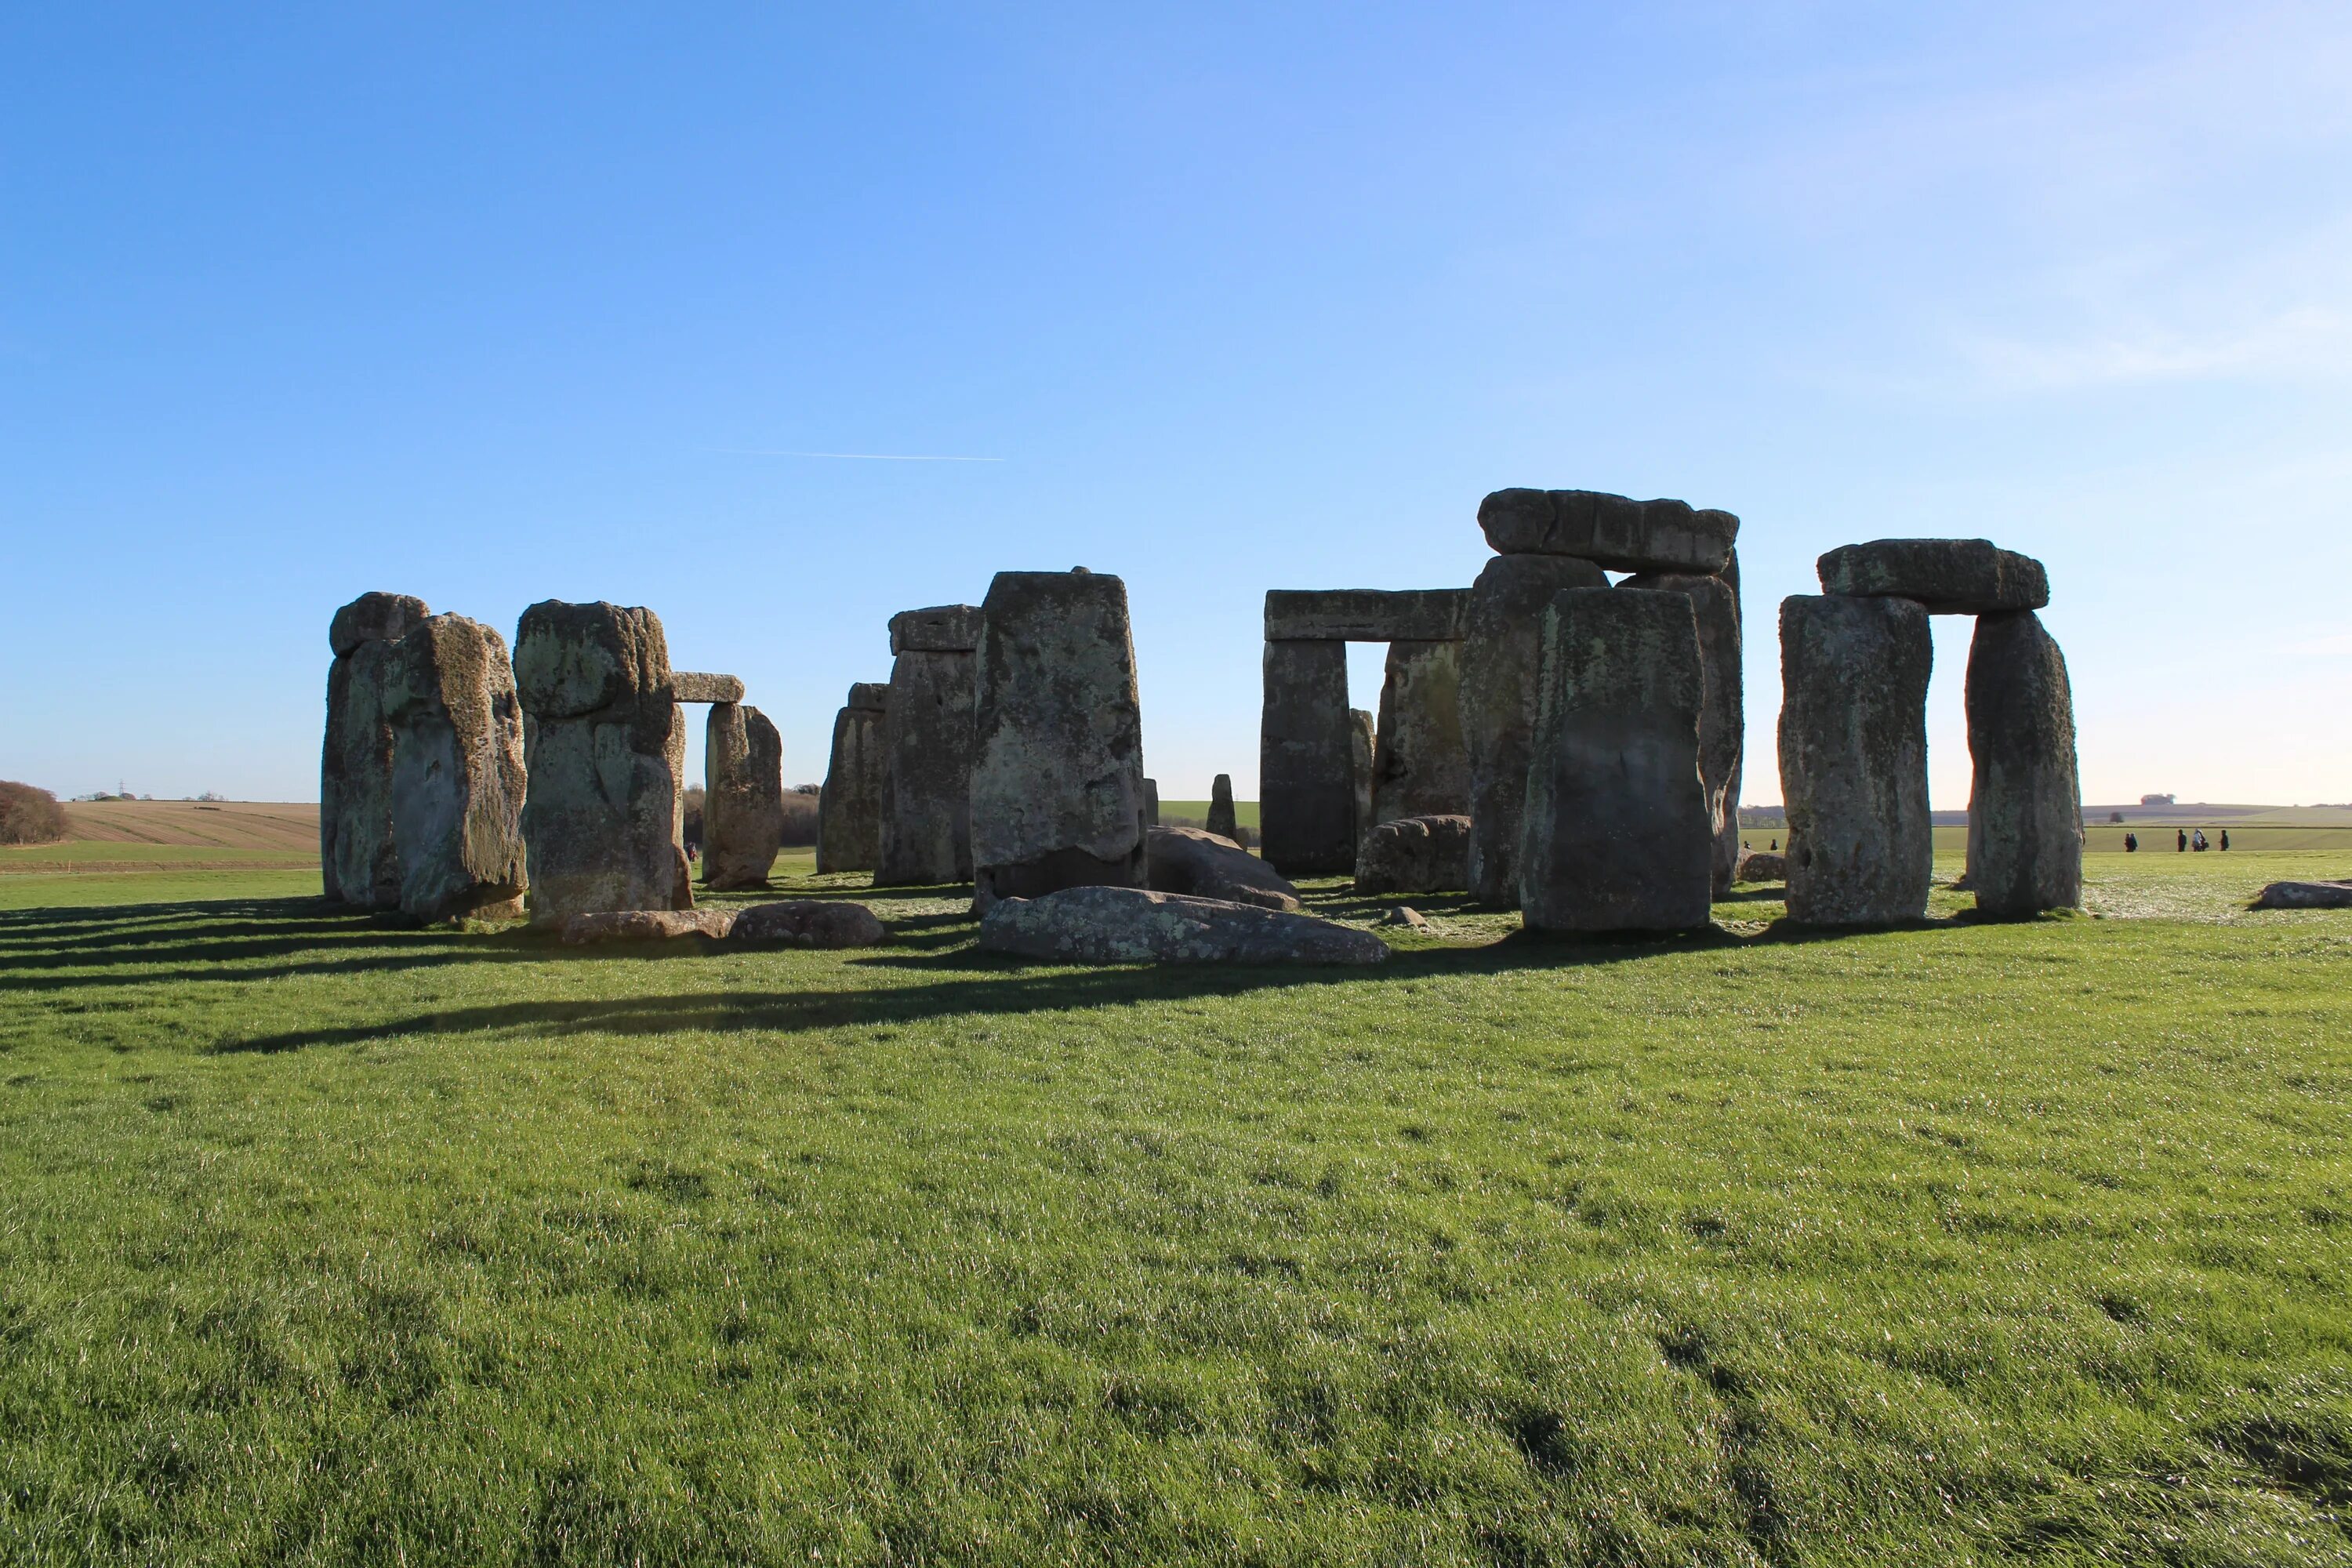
[(1365, 615), (693, 685)]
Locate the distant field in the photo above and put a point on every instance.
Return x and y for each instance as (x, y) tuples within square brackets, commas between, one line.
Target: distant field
[(111, 835), (1244, 811)]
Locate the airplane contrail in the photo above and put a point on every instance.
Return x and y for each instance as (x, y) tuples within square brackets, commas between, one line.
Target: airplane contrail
[(857, 457)]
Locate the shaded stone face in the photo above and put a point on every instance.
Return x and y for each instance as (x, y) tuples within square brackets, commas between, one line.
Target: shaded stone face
[(1615, 531), (1722, 724), (1502, 652), (1420, 766), (1364, 614), (849, 812), (2025, 810), (1206, 866), (808, 923), (1135, 925), (1618, 836), (1363, 764), (357, 865), (942, 629), (743, 797), (1057, 779), (1949, 576), (1307, 813), (1853, 759), (1222, 821), (928, 749), (457, 780), (604, 742), (1415, 854), (375, 617), (1152, 803)]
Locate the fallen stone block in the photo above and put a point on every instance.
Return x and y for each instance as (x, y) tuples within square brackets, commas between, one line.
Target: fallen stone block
[(1615, 531), (2305, 896), (1763, 866), (1136, 925), (808, 922), (1415, 854), (1407, 916), (1205, 865), (646, 925), (1950, 576)]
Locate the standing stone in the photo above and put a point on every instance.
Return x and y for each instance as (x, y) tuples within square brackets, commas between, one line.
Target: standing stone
[(1502, 652), (1420, 767), (1057, 778), (743, 797), (1618, 836), (603, 740), (1152, 803), (849, 810), (1221, 808), (357, 863), (457, 771), (1306, 815), (1853, 759), (927, 736), (1722, 724), (2025, 811), (1363, 765)]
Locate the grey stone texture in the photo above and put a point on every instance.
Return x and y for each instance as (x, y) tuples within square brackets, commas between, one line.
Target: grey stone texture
[(1222, 821), (804, 922), (928, 749), (644, 925), (1135, 925), (1057, 778), (374, 617), (1949, 576), (1151, 802), (1415, 854), (1615, 531), (1363, 762), (1404, 915), (1617, 835), (457, 771), (605, 740), (1307, 813), (1502, 655), (1364, 614), (357, 863), (2305, 896), (2025, 809), (1420, 766), (696, 686), (743, 797), (1187, 860), (1763, 866), (941, 629), (1722, 721), (849, 811), (1853, 759)]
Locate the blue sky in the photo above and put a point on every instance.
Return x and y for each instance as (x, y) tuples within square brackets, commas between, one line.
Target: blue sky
[(491, 305)]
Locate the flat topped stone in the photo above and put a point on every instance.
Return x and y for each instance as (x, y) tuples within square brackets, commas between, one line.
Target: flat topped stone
[(2305, 896), (1950, 576), (1365, 615), (869, 696), (375, 617), (1133, 925), (694, 685), (1615, 531), (942, 629)]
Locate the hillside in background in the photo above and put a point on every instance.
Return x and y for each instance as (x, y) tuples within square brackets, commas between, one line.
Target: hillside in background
[(142, 835)]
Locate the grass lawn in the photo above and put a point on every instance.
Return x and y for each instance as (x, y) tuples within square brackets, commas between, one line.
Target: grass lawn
[(1244, 811), (323, 1240)]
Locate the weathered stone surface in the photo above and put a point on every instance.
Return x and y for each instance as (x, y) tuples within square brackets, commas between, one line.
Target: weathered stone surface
[(1502, 653), (1723, 721), (1618, 836), (804, 922), (743, 797), (1306, 815), (928, 749), (1763, 866), (942, 629), (1363, 762), (1187, 860), (1420, 766), (1949, 576), (374, 617), (1615, 531), (849, 811), (1364, 614), (2305, 896), (1415, 854), (356, 860), (457, 771), (1057, 783), (603, 741), (1853, 759), (1135, 925), (2025, 809), (1407, 916), (1222, 821), (695, 686), (644, 925), (1152, 803)]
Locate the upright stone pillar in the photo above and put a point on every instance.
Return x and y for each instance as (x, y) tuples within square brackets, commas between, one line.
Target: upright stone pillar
[(1853, 759), (1502, 653), (1420, 767), (1307, 813), (1152, 803), (357, 862), (743, 797), (1363, 765), (457, 780), (849, 811), (1617, 833), (600, 820), (928, 730), (1057, 776), (2025, 810), (1222, 821), (1722, 721)]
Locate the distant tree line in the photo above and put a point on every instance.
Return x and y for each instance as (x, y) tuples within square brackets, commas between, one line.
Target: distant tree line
[(29, 816)]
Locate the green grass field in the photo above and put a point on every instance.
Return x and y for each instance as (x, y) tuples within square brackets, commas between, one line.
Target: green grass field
[(1244, 811), (323, 1240)]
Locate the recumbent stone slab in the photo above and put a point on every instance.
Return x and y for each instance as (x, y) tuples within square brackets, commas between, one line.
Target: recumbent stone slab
[(804, 922), (1415, 854), (743, 797), (2025, 809), (1205, 865), (1949, 576), (646, 925), (1615, 531), (457, 780), (1136, 925)]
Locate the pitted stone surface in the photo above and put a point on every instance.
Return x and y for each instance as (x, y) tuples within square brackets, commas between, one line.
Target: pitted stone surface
[(849, 811), (1420, 766), (869, 696), (1615, 531), (808, 923), (928, 743), (743, 797), (941, 629), (644, 925), (2025, 810), (1134, 925), (1950, 576), (357, 863), (1415, 854), (457, 771), (1307, 813), (374, 617), (1205, 865), (695, 686), (1763, 866), (1364, 614), (1722, 721)]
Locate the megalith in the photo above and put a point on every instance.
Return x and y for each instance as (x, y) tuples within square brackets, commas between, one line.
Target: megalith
[(2025, 809), (1615, 531), (605, 743), (458, 781), (1722, 724), (1307, 813), (1420, 766), (1947, 576), (849, 810), (927, 742), (1152, 803), (1853, 759), (1363, 764), (1222, 821), (1617, 834), (1502, 653), (1057, 776), (743, 797), (357, 862)]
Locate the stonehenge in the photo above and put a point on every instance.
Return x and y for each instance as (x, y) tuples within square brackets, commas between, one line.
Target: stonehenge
[(1222, 821), (1415, 854), (2025, 805), (358, 863), (1188, 861), (849, 811), (1136, 925), (928, 738), (1722, 719), (1613, 532), (743, 796), (1306, 776), (1420, 767), (457, 771), (1946, 576)]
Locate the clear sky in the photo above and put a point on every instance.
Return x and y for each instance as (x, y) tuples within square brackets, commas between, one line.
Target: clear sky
[(492, 304)]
